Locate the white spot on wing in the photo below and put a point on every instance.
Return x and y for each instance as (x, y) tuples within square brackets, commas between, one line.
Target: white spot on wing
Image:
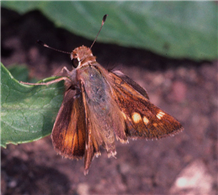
[(136, 117), (160, 114), (145, 120)]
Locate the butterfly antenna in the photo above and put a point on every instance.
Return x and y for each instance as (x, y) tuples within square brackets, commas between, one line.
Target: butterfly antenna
[(102, 23), (45, 45)]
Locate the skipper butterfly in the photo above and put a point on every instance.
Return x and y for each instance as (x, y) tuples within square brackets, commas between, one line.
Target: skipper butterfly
[(100, 106)]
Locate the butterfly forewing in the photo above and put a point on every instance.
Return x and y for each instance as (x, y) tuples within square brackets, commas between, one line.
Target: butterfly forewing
[(143, 119), (69, 131)]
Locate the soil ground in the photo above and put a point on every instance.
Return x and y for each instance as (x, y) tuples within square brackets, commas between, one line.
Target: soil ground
[(183, 164)]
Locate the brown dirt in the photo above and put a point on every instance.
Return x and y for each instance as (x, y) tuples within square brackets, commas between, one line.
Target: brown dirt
[(185, 163)]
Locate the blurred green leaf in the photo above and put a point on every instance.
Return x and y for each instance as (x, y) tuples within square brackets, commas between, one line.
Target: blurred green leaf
[(19, 72), (173, 29), (27, 112)]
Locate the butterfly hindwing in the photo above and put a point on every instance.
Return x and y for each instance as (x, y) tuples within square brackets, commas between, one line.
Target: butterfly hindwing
[(130, 82)]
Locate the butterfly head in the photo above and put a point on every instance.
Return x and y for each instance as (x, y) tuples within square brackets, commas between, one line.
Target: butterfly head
[(81, 56)]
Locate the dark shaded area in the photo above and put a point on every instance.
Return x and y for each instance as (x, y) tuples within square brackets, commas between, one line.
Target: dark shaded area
[(26, 177), (185, 163)]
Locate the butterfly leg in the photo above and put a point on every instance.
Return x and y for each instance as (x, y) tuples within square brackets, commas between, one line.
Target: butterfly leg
[(47, 83), (63, 78)]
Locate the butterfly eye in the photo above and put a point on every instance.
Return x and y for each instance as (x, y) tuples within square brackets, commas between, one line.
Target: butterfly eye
[(75, 62)]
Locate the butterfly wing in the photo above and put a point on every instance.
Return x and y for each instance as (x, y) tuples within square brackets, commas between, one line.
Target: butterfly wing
[(69, 130), (143, 119), (131, 83)]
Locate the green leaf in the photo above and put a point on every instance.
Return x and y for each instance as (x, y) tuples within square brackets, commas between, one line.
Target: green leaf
[(27, 112), (173, 29)]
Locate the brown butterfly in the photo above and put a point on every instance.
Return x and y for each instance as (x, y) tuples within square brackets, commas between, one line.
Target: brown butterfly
[(100, 106)]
